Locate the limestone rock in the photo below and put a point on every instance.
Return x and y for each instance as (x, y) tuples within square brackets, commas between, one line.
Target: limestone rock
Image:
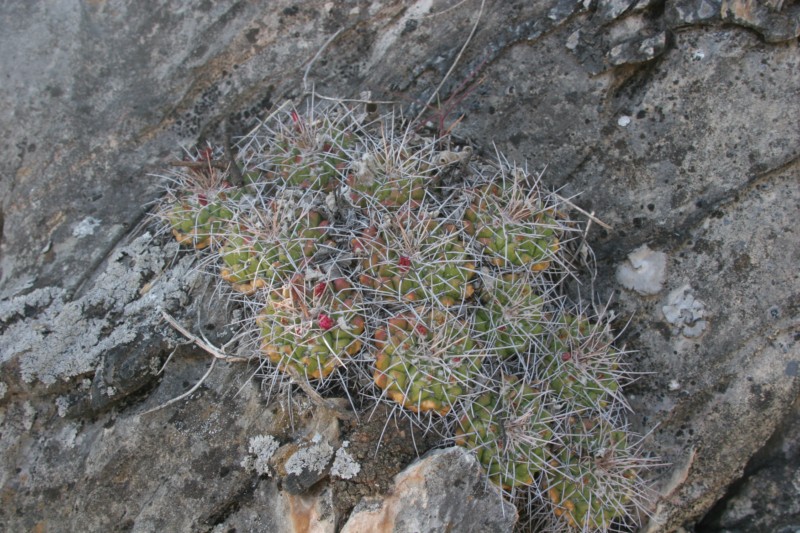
[(444, 491)]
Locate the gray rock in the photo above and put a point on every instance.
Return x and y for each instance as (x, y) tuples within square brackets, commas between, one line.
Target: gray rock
[(444, 491), (691, 12), (99, 95), (611, 9), (638, 50), (773, 20), (768, 499)]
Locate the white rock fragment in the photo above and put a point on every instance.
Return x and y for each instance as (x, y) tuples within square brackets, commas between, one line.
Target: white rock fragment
[(262, 447), (85, 227), (685, 312), (62, 404), (644, 272), (344, 465), (623, 121), (674, 385)]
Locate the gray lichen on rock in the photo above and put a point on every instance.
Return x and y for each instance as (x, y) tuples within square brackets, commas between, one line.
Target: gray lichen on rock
[(66, 338), (686, 313)]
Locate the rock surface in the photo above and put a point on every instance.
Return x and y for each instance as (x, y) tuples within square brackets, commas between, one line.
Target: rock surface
[(675, 122), (444, 491)]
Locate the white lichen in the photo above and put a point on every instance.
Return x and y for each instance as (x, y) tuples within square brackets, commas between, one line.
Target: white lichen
[(61, 340), (34, 300), (685, 312), (314, 458), (644, 272), (62, 404), (344, 465), (85, 227), (261, 450)]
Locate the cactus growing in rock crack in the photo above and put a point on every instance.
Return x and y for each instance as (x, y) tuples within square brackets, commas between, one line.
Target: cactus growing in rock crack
[(357, 248), (593, 478), (311, 330), (426, 360)]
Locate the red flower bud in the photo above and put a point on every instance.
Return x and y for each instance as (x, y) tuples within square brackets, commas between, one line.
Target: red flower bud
[(319, 288), (202, 200), (404, 263), (566, 356), (325, 322)]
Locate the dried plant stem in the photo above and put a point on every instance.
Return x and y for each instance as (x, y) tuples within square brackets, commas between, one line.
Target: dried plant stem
[(585, 213), (205, 345), (185, 394)]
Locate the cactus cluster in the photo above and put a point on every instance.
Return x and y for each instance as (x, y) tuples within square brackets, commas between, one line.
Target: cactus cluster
[(375, 255)]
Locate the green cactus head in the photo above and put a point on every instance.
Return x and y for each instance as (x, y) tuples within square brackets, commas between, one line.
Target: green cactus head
[(271, 244), (509, 429), (513, 225), (200, 207), (309, 331), (593, 478), (419, 259), (511, 317), (426, 360), (391, 175), (304, 152), (580, 364)]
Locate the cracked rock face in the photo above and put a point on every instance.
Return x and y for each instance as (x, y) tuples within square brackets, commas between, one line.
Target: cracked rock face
[(675, 123)]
